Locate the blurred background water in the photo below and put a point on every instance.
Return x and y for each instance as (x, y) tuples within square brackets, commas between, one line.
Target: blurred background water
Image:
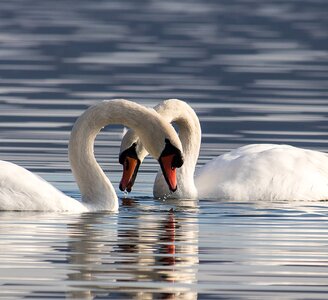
[(254, 71)]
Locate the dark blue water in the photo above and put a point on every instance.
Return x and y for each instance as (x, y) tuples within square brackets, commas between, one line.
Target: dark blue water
[(254, 71)]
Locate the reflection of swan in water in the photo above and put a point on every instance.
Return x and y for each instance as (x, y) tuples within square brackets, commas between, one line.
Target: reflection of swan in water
[(92, 242), (252, 172), (22, 190), (33, 251), (145, 252), (141, 259), (136, 254), (164, 248)]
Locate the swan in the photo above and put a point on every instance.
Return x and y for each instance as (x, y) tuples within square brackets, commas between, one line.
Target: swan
[(22, 190), (249, 173)]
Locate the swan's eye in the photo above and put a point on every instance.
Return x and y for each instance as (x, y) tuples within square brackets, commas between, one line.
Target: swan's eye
[(129, 152), (177, 161), (170, 150)]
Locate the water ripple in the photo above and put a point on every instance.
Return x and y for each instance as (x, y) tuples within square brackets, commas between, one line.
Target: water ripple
[(254, 72)]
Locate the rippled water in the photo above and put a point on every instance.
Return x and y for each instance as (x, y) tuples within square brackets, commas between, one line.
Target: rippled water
[(254, 71)]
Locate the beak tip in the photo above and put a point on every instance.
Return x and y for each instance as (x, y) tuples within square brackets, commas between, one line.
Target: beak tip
[(121, 187), (130, 171)]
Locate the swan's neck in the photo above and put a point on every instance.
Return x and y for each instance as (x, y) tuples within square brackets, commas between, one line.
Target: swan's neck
[(190, 136), (96, 190)]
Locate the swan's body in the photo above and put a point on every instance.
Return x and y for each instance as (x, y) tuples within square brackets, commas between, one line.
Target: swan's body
[(265, 172), (22, 190), (250, 173)]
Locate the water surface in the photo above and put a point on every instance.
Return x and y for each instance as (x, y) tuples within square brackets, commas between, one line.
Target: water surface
[(254, 71)]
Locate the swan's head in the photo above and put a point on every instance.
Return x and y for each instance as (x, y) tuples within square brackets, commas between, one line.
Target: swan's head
[(133, 152)]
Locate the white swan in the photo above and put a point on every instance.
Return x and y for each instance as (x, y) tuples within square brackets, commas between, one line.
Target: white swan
[(23, 190), (249, 173)]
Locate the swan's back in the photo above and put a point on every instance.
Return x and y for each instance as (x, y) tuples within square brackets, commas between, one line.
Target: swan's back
[(22, 190), (265, 172)]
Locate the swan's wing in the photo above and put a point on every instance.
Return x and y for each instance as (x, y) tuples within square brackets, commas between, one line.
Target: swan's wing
[(265, 172), (22, 190)]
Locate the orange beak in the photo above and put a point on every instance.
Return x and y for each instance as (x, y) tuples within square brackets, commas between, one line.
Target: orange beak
[(130, 170), (169, 172)]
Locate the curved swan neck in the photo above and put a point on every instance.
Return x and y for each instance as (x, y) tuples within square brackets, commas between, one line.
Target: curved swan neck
[(174, 110), (95, 187)]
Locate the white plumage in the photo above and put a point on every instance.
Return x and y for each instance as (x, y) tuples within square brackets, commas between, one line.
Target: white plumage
[(265, 172), (22, 190), (250, 173)]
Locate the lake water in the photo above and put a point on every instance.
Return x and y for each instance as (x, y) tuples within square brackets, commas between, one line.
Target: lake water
[(254, 71)]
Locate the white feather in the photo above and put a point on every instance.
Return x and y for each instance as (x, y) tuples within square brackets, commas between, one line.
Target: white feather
[(249, 173), (22, 190)]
